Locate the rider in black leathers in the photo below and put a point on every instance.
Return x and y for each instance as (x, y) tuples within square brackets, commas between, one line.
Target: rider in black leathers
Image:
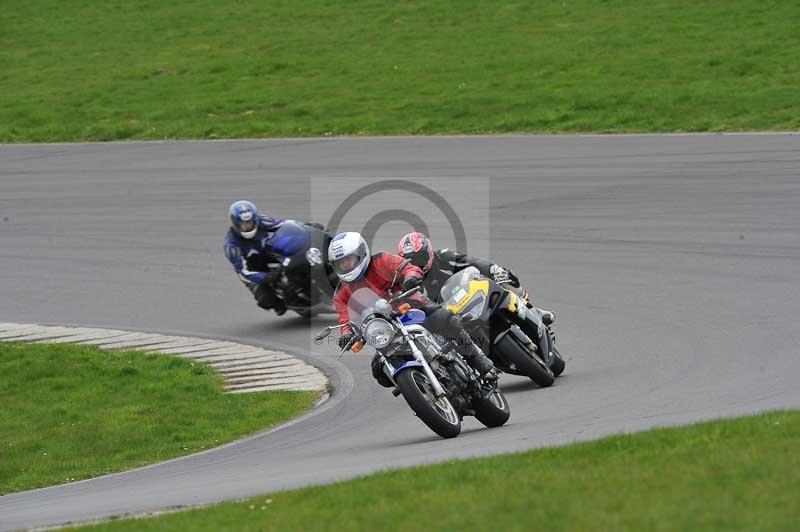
[(439, 266)]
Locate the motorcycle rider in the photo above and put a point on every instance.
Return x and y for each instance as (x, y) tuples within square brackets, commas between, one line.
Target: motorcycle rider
[(439, 266), (247, 248), (356, 268)]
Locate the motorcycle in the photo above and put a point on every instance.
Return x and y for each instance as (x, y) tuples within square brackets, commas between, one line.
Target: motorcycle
[(306, 281), (519, 342), (435, 381)]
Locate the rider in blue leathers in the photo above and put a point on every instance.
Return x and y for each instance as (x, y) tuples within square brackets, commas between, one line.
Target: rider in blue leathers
[(247, 248)]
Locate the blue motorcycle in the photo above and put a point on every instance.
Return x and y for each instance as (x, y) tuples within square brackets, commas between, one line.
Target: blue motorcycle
[(431, 376), (306, 281)]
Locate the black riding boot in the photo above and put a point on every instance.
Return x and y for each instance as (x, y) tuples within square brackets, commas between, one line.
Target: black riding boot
[(473, 355), (267, 299), (379, 373)]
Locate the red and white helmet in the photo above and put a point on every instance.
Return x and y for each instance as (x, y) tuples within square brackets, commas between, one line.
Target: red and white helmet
[(418, 248)]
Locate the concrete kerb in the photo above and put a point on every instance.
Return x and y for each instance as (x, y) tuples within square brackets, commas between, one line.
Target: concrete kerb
[(293, 374), (340, 385)]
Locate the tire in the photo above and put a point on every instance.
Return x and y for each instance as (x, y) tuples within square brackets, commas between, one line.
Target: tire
[(525, 361), (558, 364), (416, 390), (492, 411)]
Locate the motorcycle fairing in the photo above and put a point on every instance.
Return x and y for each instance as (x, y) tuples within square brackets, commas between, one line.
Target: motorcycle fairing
[(290, 238), (515, 331), (413, 317), (476, 287)]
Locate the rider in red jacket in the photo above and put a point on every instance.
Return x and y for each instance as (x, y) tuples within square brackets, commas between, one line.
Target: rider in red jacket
[(377, 276), (356, 268)]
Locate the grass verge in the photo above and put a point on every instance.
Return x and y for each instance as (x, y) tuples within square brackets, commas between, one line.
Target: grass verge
[(740, 474), (71, 412), (222, 68)]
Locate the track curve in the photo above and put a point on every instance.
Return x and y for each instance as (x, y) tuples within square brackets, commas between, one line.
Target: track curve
[(673, 262)]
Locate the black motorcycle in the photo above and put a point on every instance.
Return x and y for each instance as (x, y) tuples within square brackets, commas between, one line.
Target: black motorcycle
[(500, 322), (306, 281)]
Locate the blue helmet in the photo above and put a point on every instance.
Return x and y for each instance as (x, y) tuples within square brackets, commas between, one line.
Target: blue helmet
[(244, 218)]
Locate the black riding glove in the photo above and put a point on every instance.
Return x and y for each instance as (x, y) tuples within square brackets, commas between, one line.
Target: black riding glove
[(411, 282), (345, 339), (273, 274), (499, 273)]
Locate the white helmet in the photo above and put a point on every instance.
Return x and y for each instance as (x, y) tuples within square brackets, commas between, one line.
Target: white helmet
[(349, 255)]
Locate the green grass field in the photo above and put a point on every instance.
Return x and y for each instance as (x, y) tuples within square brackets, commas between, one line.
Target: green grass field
[(74, 412), (741, 474), (144, 69)]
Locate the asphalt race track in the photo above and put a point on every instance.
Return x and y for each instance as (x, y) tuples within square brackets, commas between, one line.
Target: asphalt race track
[(673, 263)]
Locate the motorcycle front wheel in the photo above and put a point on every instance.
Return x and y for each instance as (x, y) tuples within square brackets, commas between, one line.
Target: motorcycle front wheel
[(525, 362), (558, 364), (438, 414), (492, 411)]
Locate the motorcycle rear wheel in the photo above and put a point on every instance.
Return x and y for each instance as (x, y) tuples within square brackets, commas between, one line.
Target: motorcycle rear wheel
[(438, 414)]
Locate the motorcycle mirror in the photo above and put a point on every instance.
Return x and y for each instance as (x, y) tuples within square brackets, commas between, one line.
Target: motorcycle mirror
[(322, 334)]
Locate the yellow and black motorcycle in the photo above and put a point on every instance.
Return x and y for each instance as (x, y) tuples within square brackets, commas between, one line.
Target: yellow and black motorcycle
[(500, 322)]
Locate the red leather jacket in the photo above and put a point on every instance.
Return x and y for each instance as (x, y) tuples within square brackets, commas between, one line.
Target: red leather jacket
[(381, 269)]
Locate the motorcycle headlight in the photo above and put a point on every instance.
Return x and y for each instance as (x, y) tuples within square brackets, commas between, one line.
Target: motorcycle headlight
[(378, 333)]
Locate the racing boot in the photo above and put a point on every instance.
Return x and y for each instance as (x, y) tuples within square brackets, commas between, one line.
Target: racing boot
[(279, 306), (473, 356), (266, 298), (548, 316), (379, 373)]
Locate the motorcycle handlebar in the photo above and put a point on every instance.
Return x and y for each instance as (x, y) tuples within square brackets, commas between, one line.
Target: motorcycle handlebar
[(397, 298)]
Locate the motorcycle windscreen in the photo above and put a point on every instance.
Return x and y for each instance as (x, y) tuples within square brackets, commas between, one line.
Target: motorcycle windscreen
[(289, 239), (362, 305), (457, 287)]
